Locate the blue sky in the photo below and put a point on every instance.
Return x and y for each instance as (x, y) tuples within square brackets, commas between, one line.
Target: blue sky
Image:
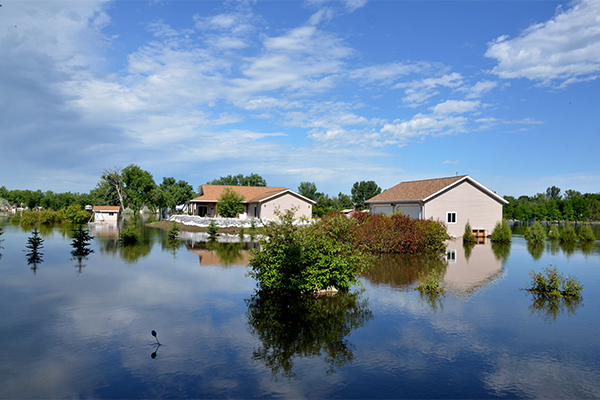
[(331, 92)]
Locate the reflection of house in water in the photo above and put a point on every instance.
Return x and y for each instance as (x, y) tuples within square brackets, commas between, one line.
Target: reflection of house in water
[(221, 254), (469, 271), (106, 229)]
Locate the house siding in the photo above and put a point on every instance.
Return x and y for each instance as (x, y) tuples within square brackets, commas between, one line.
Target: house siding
[(470, 204), (285, 202)]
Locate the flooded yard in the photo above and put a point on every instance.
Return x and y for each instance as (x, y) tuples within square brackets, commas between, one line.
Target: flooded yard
[(82, 328)]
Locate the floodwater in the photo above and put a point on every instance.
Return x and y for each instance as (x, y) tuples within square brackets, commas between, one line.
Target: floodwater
[(81, 327)]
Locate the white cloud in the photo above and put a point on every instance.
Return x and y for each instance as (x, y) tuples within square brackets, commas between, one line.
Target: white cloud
[(455, 107), (448, 162), (419, 91), (561, 51), (423, 125), (479, 89), (387, 73)]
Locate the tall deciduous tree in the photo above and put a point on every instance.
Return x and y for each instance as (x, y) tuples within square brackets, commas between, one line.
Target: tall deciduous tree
[(309, 190), (111, 186), (171, 193), (240, 180), (362, 191), (139, 186)]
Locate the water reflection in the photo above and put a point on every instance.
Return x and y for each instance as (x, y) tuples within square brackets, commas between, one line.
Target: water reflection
[(219, 253), (291, 327), (549, 308), (404, 270), (536, 249), (81, 246), (465, 275), (34, 256), (501, 251)]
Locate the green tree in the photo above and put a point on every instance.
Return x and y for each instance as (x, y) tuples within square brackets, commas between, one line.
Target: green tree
[(240, 180), (362, 191), (171, 193), (230, 204), (343, 202), (309, 190), (139, 186), (553, 193)]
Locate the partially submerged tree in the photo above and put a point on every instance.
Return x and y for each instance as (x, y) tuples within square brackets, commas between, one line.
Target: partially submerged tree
[(139, 186), (112, 185)]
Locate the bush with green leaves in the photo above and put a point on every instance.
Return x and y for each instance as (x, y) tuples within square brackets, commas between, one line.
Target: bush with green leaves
[(535, 233), (130, 235), (586, 234), (550, 282), (230, 204), (173, 232), (306, 259), (74, 214), (431, 283), (501, 233), (29, 218), (568, 235), (212, 229), (554, 233), (468, 237)]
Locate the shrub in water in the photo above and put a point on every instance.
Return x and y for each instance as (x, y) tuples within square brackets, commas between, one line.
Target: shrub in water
[(173, 232), (213, 229), (130, 235), (30, 218), (535, 233), (568, 235), (586, 234), (431, 283), (468, 237), (305, 259), (550, 282), (48, 217), (554, 233), (501, 233)]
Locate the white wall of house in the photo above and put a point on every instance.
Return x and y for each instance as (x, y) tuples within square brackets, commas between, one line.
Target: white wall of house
[(469, 204), (285, 202), (106, 216)]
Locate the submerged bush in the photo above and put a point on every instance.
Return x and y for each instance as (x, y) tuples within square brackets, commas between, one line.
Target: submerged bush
[(550, 282), (554, 233), (501, 233), (130, 235), (399, 234), (535, 233), (305, 259), (568, 235), (586, 234), (74, 214), (173, 232), (468, 237), (29, 218), (431, 283)]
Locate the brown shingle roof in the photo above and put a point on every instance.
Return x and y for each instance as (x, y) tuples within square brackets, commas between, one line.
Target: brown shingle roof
[(212, 193), (416, 190), (106, 208)]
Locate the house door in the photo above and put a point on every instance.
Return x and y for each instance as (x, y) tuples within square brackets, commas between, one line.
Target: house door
[(202, 211)]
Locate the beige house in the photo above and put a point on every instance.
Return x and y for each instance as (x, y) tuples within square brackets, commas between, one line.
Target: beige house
[(106, 213), (259, 201), (454, 200)]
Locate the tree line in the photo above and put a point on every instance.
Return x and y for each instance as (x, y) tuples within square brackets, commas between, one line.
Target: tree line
[(129, 187), (553, 205)]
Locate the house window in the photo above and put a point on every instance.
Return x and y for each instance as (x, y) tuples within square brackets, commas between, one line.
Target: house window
[(451, 217)]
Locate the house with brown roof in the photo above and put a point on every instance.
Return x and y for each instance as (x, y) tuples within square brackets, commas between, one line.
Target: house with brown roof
[(259, 201), (106, 213), (455, 200)]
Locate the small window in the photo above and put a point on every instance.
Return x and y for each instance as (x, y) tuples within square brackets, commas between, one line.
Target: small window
[(451, 217)]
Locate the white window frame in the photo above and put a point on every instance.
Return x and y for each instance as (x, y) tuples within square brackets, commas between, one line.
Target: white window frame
[(448, 214)]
